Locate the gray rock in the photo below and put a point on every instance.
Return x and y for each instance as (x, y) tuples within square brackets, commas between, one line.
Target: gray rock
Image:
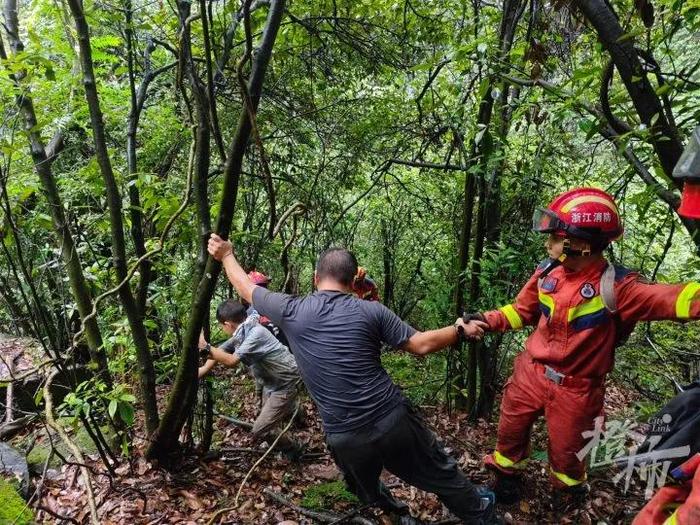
[(13, 463)]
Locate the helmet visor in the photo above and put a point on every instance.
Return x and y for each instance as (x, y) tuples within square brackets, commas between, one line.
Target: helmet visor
[(546, 221)]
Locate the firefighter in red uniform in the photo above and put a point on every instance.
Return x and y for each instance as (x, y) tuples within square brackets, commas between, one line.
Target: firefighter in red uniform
[(581, 307)]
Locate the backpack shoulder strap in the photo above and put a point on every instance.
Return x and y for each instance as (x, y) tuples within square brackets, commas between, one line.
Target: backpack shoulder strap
[(607, 288), (546, 266)]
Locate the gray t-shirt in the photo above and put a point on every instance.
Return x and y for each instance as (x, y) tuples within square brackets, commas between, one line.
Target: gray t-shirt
[(270, 362), (336, 339)]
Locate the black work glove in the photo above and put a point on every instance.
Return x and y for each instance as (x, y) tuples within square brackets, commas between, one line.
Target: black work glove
[(475, 316)]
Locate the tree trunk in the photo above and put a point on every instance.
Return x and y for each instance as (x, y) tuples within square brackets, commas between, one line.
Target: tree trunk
[(143, 355), (387, 260), (135, 213), (202, 135), (43, 323), (662, 135), (165, 442), (488, 217), (42, 165)]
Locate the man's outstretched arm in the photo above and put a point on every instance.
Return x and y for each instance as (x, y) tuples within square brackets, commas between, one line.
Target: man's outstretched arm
[(222, 250), (423, 343)]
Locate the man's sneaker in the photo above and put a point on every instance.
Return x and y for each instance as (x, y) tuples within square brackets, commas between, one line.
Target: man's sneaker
[(407, 519), (507, 488), (487, 510)]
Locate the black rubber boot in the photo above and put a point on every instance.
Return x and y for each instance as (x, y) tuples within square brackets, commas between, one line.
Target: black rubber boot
[(294, 451), (571, 497), (507, 488)]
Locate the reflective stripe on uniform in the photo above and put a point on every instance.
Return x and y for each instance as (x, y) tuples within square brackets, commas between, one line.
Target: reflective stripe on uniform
[(672, 519), (566, 480), (591, 306), (546, 304), (516, 322), (587, 198), (504, 462), (685, 298)]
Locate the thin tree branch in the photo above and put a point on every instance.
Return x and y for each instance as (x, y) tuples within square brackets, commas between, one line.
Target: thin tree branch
[(430, 165)]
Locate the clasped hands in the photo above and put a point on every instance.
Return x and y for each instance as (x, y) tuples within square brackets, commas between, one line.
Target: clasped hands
[(471, 326)]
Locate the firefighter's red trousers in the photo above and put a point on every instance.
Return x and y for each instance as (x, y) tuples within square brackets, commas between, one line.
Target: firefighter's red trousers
[(569, 409)]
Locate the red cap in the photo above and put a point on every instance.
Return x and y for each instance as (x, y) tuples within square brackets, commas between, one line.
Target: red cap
[(690, 200), (259, 278)]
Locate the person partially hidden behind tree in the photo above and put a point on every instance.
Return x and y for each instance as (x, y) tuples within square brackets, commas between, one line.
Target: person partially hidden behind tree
[(364, 287), (368, 422), (263, 280), (271, 364), (582, 307)]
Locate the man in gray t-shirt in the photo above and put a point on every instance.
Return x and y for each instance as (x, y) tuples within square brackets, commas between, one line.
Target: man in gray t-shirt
[(336, 339), (269, 361)]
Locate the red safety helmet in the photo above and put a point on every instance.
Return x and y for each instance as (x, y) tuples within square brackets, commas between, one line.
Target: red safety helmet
[(585, 213), (259, 278)]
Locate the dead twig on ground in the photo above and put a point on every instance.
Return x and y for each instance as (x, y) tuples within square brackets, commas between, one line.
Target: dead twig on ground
[(238, 422), (323, 517), (267, 453)]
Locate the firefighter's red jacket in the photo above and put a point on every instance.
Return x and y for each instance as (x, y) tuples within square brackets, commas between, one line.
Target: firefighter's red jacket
[(576, 334)]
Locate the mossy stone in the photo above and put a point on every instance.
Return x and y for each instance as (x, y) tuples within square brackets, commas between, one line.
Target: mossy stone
[(13, 509), (37, 456)]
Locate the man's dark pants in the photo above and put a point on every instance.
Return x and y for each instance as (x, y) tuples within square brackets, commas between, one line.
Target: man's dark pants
[(402, 444)]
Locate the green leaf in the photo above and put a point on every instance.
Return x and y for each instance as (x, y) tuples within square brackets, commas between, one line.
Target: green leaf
[(631, 35), (586, 125), (113, 404), (126, 412), (39, 397), (662, 90), (44, 221), (484, 87)]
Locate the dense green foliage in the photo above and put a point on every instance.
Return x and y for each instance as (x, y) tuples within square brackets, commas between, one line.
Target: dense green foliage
[(369, 119)]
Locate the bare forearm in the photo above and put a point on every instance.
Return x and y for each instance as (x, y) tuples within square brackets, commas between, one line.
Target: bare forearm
[(206, 368), (423, 343), (238, 278), (226, 359), (440, 338)]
